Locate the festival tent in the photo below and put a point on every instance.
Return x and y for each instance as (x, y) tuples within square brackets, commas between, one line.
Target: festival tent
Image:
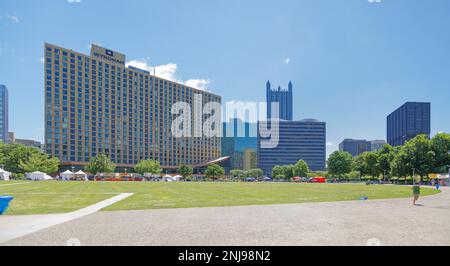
[(442, 177), (67, 175), (168, 178), (177, 178), (4, 175), (38, 176), (80, 175)]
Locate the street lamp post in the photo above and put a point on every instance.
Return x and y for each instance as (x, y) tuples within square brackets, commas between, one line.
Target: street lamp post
[(414, 176), (73, 173)]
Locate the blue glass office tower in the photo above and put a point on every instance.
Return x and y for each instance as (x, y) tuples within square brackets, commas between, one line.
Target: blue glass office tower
[(240, 143), (355, 146), (305, 139), (3, 114), (283, 98), (408, 121)]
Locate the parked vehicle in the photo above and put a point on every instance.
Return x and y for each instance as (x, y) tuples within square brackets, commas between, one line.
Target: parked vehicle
[(320, 180)]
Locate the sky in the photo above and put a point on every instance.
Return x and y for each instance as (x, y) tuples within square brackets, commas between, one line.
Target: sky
[(352, 62)]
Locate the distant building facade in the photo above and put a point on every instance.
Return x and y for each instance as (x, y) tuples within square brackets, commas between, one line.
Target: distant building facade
[(376, 145), (239, 142), (285, 101), (305, 139), (408, 121), (30, 143), (11, 137), (355, 146), (4, 137)]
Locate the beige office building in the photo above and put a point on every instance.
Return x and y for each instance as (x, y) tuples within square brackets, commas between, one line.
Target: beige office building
[(96, 105)]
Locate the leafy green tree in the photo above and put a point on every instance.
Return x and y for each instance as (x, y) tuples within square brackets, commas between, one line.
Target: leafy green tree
[(420, 155), (214, 171), (289, 171), (100, 164), (278, 170), (385, 159), (370, 164), (359, 165), (339, 164), (281, 176), (354, 175), (246, 174), (148, 167), (301, 169), (12, 154), (318, 174), (236, 173), (440, 145), (258, 173), (39, 162), (185, 171), (400, 164)]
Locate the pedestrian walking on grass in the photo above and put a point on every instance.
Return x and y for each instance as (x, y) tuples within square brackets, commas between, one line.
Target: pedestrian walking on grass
[(416, 193)]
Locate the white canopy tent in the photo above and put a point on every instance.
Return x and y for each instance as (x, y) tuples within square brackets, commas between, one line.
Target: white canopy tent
[(177, 178), (67, 175), (80, 175), (443, 176), (168, 178), (4, 175), (38, 176)]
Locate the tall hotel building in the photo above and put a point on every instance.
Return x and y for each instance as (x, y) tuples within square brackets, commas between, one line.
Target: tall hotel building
[(96, 105)]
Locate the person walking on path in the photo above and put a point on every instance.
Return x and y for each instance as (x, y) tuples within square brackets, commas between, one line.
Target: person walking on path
[(416, 193), (438, 185)]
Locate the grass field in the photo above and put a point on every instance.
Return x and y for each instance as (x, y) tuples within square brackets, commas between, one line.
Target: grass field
[(60, 197)]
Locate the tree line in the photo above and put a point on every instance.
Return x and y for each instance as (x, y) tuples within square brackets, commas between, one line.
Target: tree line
[(20, 159), (419, 156), (288, 172), (103, 164)]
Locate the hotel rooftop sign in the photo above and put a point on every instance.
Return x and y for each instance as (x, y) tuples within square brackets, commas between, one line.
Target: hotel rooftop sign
[(107, 55)]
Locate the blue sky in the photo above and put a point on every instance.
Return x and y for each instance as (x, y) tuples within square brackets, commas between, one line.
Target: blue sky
[(352, 62)]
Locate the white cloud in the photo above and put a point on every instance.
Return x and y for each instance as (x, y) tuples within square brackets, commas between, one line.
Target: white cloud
[(14, 19), (287, 61), (330, 144), (169, 72), (11, 18), (201, 84), (73, 1), (374, 1), (42, 60)]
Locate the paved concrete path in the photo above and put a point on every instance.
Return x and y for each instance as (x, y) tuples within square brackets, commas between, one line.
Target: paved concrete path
[(377, 222), (12, 227), (14, 184)]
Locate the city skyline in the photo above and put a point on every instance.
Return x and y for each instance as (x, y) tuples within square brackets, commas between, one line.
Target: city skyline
[(351, 67)]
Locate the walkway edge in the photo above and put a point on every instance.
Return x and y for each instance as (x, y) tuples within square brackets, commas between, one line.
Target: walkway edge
[(10, 228)]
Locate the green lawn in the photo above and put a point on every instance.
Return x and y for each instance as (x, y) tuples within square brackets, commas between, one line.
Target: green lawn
[(58, 197)]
